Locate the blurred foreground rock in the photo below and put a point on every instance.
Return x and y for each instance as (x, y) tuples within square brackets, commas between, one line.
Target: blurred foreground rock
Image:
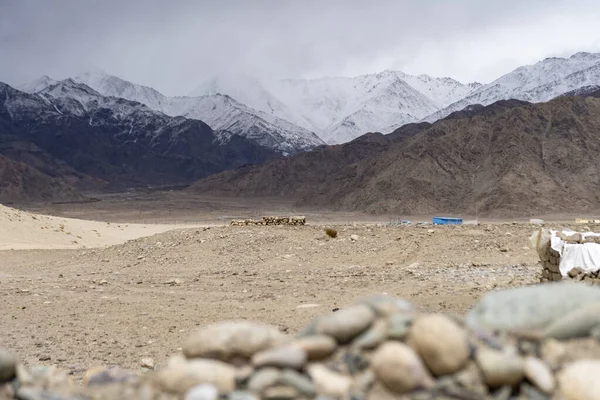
[(523, 343)]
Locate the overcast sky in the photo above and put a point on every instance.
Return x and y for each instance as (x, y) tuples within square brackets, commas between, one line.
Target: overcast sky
[(174, 45)]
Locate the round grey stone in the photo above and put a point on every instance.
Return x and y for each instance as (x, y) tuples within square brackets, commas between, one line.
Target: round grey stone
[(347, 323), (8, 365), (538, 373), (399, 325), (399, 368), (242, 395), (372, 337), (317, 347), (441, 343), (299, 381), (530, 307), (328, 382), (385, 305), (181, 377), (579, 380), (500, 368), (263, 378), (282, 357), (202, 392), (228, 340)]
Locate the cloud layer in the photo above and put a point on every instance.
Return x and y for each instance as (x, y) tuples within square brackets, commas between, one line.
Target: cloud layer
[(175, 45)]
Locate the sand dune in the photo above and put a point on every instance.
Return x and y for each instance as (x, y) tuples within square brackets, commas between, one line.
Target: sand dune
[(23, 230)]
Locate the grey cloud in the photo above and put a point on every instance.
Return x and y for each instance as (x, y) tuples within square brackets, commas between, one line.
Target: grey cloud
[(174, 45)]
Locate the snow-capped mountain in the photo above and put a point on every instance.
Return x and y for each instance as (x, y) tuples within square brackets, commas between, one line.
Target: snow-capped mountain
[(389, 104), (224, 113), (252, 93), (539, 82), (284, 114), (37, 85), (218, 111), (340, 109), (113, 139), (289, 114), (109, 85), (442, 91)]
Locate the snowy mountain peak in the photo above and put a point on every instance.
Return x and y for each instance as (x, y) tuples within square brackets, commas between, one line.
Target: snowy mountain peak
[(110, 85), (338, 109), (71, 89), (538, 82), (582, 55), (252, 93), (221, 111), (37, 85)]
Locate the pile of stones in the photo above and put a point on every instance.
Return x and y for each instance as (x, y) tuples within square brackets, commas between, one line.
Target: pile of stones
[(512, 345), (592, 278), (293, 221)]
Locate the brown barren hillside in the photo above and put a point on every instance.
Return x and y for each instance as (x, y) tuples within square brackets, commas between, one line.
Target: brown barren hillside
[(299, 173), (22, 183), (521, 160)]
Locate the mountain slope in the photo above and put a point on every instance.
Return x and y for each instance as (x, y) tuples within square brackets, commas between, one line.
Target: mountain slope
[(115, 140), (341, 109), (286, 114), (390, 103), (252, 93), (305, 174), (509, 158), (37, 85), (540, 82), (222, 112), (218, 111), (441, 91), (109, 85), (21, 183)]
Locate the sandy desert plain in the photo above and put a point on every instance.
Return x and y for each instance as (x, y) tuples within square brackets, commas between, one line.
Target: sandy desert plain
[(131, 276)]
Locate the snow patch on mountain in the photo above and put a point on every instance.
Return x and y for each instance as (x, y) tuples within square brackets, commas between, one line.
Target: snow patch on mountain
[(252, 93), (110, 85), (389, 103), (442, 91), (221, 112), (218, 111), (340, 109), (535, 83), (289, 112), (37, 85)]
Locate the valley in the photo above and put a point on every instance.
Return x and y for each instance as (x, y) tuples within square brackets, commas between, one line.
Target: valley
[(166, 284), (116, 242)]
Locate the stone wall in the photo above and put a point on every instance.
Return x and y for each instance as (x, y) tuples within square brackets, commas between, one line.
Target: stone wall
[(377, 348), (550, 259), (550, 271), (293, 221)]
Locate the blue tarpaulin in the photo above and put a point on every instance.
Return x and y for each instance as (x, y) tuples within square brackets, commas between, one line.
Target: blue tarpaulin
[(446, 221)]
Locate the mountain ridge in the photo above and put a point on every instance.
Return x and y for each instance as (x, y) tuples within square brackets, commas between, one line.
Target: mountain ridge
[(71, 131), (299, 114), (537, 82), (510, 158)]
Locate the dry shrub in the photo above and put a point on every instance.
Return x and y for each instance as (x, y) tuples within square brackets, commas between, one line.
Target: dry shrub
[(332, 233)]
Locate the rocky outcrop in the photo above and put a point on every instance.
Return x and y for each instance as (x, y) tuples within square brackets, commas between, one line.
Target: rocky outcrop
[(21, 183)]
